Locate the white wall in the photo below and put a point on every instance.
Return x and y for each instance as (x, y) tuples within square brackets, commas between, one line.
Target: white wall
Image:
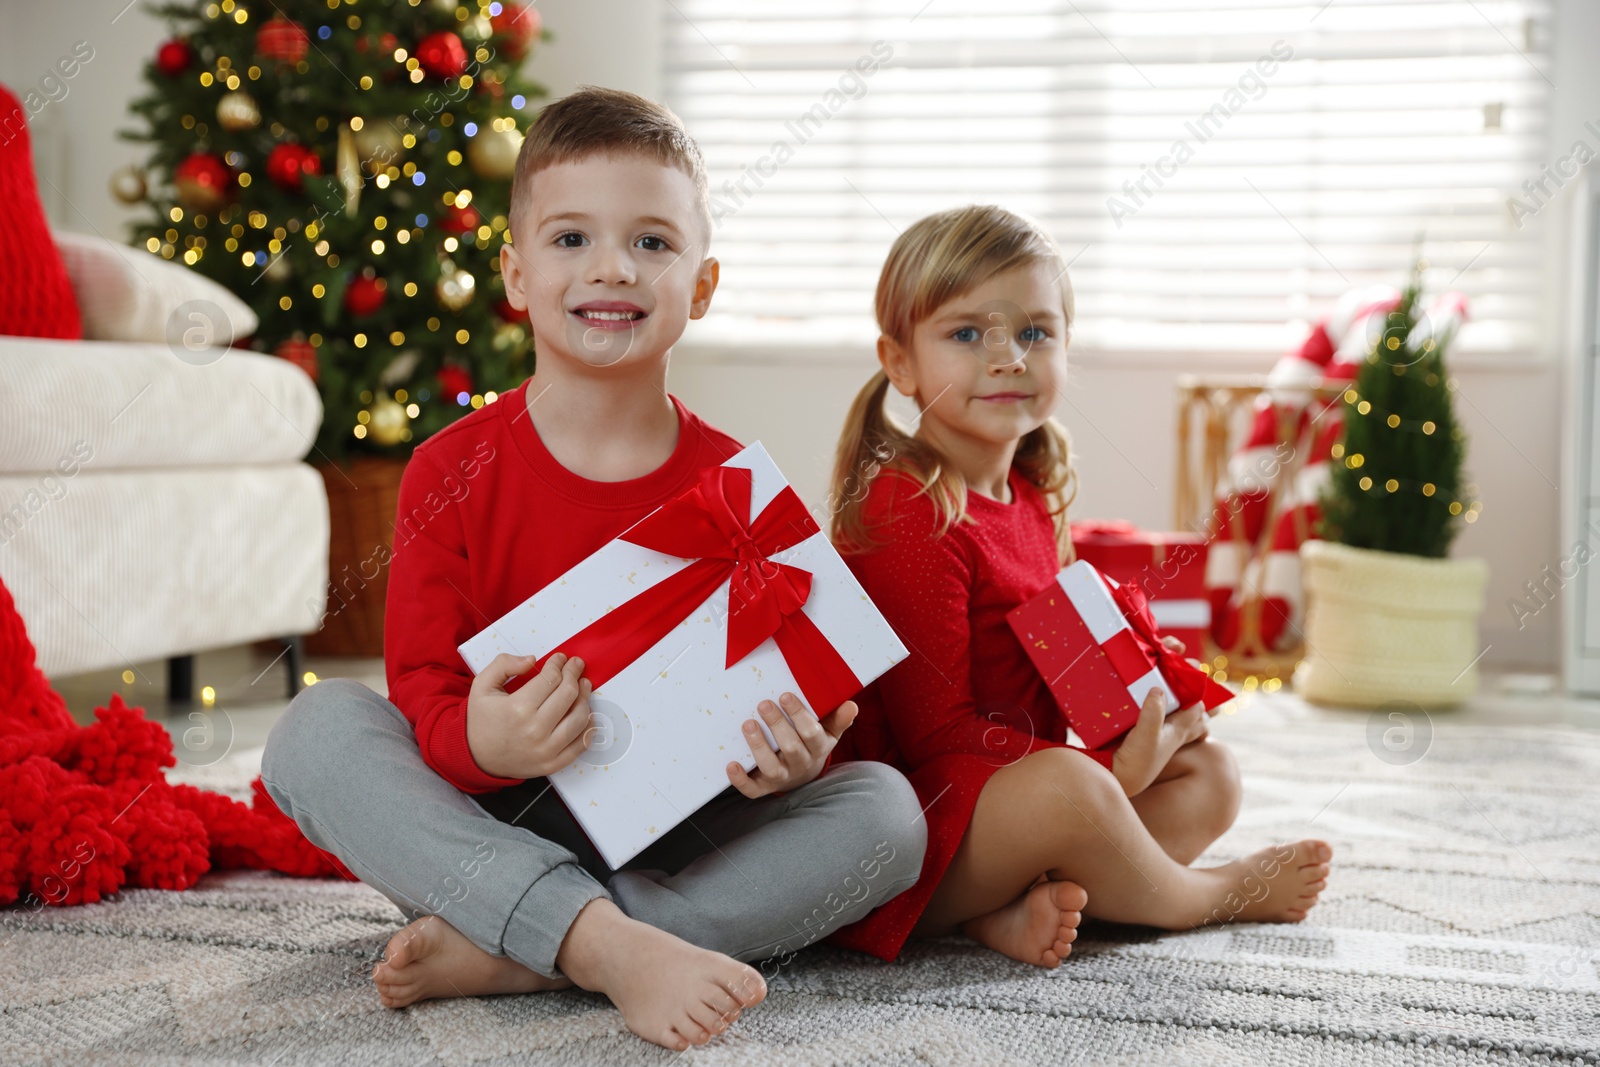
[(1121, 409), (74, 138)]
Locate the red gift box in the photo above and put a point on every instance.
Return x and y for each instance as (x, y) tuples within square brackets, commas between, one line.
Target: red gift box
[(1097, 648), (1168, 568)]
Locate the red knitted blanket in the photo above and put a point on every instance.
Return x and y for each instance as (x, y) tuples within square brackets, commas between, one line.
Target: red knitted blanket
[(87, 810)]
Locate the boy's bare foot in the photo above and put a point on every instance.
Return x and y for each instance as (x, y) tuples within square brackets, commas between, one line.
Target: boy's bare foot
[(1278, 884), (669, 991), (1038, 927), (431, 958)]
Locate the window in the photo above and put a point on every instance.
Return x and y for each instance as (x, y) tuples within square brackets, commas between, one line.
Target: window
[(1212, 173)]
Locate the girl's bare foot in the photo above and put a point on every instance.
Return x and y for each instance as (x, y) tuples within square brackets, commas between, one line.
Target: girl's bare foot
[(1038, 927), (669, 991), (1278, 884), (431, 958)]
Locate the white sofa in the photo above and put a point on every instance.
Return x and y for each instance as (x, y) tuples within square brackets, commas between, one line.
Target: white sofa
[(153, 506)]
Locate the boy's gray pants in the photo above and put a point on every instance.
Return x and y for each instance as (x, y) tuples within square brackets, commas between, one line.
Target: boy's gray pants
[(511, 870)]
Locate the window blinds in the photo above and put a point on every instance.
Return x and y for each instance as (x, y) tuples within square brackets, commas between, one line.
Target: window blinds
[(1213, 173)]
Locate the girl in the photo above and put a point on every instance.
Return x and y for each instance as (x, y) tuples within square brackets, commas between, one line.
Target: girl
[(949, 527)]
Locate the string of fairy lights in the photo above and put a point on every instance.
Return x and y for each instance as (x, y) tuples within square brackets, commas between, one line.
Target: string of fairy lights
[(1468, 510)]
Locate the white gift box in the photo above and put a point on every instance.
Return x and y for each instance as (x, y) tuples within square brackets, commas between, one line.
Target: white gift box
[(668, 724)]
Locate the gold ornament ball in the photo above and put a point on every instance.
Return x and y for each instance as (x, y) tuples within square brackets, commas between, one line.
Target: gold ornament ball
[(388, 423), (479, 27), (237, 111), (493, 153), (456, 287), (128, 184), (378, 142)]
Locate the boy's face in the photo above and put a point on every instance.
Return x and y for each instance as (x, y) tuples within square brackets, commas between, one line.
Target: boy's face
[(614, 262)]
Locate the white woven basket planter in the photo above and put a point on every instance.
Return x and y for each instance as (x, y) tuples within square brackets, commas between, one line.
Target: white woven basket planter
[(1382, 626)]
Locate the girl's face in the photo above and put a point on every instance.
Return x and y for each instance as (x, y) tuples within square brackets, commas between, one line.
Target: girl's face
[(987, 366)]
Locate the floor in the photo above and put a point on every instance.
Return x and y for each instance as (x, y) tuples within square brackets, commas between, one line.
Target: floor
[(249, 686), (250, 692), (1462, 926)]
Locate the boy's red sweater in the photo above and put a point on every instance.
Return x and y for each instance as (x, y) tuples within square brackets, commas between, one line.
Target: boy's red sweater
[(488, 517)]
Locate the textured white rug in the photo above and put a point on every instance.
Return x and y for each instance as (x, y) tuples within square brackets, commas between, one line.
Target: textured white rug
[(1461, 925)]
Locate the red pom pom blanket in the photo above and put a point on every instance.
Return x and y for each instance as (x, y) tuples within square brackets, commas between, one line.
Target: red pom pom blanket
[(87, 810)]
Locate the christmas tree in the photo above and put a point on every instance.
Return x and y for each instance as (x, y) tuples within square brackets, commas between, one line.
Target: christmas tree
[(344, 166), (1396, 477)]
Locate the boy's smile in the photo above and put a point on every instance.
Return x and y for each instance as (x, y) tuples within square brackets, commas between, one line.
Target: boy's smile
[(609, 314), (614, 263)]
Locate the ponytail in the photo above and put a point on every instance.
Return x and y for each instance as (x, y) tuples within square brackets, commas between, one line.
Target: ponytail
[(1044, 458), (874, 441)]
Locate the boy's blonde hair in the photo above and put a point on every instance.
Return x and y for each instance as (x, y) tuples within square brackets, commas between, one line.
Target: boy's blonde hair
[(597, 121), (934, 261)]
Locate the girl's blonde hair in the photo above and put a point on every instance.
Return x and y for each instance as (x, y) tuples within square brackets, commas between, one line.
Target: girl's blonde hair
[(934, 261)]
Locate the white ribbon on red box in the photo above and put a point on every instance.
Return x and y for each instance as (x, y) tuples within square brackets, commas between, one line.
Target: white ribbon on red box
[(1087, 589)]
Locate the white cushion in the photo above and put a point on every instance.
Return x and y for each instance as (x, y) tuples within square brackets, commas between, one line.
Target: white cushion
[(128, 294), (141, 406)]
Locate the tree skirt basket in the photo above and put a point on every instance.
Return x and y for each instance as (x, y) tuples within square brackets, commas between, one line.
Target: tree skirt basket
[(1382, 627), (363, 497)]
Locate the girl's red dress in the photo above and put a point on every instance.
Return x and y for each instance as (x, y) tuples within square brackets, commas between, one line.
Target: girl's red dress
[(967, 701)]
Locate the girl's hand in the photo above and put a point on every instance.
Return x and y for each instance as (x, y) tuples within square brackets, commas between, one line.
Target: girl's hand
[(1146, 748), (804, 743)]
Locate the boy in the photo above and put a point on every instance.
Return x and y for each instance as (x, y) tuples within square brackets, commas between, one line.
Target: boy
[(438, 799)]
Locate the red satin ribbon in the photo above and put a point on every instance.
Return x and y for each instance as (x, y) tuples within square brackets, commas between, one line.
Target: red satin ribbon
[(1135, 650), (711, 524)]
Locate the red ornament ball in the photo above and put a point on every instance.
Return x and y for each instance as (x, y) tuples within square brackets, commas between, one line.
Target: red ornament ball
[(288, 164), (174, 57), (442, 55), (453, 381), (364, 295), (204, 182), (301, 353), (282, 39), (459, 220), (517, 27)]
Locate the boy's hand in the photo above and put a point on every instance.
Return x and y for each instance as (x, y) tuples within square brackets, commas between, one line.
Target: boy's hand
[(535, 731), (1147, 747), (803, 747)]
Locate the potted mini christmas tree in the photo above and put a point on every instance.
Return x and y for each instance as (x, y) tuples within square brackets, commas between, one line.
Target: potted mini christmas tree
[(1389, 617), (346, 170)]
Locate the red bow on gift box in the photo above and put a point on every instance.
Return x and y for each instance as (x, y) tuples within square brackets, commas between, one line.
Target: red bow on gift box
[(1133, 651), (711, 524)]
